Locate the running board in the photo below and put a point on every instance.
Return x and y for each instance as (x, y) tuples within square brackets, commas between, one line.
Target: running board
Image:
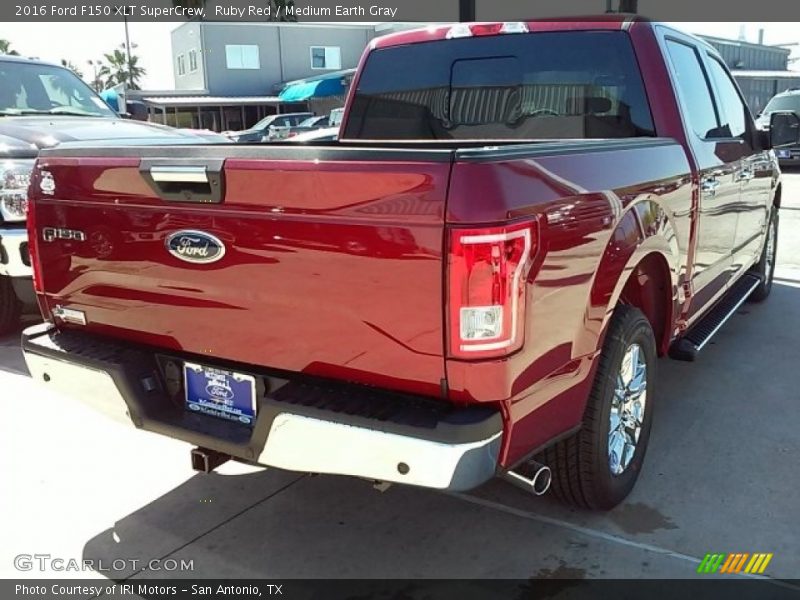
[(688, 346)]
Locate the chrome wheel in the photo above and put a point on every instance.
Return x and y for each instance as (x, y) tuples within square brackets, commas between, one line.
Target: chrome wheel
[(627, 409)]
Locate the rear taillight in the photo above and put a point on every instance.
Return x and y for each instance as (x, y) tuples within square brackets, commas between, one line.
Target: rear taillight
[(33, 249), (487, 270), (463, 30)]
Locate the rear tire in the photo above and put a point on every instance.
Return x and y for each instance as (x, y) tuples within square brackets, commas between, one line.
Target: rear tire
[(765, 267), (10, 306), (589, 470)]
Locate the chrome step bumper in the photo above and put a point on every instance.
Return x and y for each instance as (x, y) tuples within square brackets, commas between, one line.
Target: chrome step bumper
[(308, 427)]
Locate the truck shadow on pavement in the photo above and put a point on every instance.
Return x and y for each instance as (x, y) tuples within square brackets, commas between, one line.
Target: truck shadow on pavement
[(736, 406)]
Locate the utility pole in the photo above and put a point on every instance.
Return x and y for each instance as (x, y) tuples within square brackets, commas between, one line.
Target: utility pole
[(95, 64), (127, 42)]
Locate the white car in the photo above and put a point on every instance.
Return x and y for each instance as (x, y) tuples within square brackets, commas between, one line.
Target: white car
[(326, 134)]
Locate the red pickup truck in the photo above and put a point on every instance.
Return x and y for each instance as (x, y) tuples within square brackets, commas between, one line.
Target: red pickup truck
[(476, 279)]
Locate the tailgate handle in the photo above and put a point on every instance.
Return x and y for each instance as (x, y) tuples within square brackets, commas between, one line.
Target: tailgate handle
[(185, 179), (179, 174)]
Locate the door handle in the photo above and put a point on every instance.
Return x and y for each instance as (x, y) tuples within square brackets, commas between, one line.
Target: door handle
[(185, 179), (745, 175), (179, 174), (709, 185)]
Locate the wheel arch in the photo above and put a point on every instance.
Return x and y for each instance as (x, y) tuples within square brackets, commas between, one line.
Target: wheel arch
[(640, 266)]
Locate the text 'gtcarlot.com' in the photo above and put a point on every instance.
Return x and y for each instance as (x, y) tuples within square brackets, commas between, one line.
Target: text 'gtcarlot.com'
[(47, 562)]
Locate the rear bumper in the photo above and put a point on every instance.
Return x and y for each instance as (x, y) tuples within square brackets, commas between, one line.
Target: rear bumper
[(309, 427), (14, 258)]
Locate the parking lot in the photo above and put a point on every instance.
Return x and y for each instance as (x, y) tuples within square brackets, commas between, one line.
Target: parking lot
[(721, 476)]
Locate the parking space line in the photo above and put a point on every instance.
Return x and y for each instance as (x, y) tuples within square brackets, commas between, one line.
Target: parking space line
[(608, 537)]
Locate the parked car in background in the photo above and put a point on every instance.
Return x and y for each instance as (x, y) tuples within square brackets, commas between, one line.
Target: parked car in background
[(41, 106), (335, 118), (326, 134), (309, 124), (785, 101), (315, 122), (262, 129), (207, 135), (475, 280)]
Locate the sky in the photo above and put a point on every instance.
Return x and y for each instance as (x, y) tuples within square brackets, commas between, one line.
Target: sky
[(80, 42)]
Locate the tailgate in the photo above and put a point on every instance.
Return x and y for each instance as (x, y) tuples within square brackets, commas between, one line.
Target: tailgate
[(322, 260)]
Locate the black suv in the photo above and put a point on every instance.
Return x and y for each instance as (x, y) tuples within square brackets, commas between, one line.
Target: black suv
[(785, 101)]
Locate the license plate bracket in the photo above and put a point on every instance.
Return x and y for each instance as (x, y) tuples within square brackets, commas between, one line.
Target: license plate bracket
[(220, 393)]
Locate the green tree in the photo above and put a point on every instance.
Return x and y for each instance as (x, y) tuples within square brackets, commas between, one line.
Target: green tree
[(5, 48), (72, 67), (118, 70)]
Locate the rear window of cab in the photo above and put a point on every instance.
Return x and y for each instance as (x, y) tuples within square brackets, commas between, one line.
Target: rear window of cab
[(549, 85)]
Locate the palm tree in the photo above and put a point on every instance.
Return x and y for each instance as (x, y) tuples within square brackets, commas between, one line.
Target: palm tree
[(71, 66), (119, 70), (5, 48)]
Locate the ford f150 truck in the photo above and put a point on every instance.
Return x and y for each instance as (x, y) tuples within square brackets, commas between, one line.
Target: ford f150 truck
[(41, 106), (475, 280)]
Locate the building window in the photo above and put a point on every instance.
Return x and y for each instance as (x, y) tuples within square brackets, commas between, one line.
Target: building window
[(192, 60), (326, 57), (181, 64), (242, 57)]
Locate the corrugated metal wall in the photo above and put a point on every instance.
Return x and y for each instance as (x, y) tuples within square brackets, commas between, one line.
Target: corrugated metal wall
[(758, 91), (751, 56)]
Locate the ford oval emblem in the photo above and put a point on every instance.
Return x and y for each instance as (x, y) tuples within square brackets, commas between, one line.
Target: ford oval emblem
[(219, 392), (195, 246)]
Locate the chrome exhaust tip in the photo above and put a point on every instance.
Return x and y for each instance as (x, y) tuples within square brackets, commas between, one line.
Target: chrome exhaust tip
[(537, 484)]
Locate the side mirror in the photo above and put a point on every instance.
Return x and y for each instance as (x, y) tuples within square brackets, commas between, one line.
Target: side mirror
[(784, 129)]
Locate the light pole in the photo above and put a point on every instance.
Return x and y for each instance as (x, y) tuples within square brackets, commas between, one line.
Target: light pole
[(95, 80), (127, 41)]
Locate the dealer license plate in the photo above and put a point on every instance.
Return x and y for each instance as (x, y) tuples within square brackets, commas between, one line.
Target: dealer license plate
[(219, 393)]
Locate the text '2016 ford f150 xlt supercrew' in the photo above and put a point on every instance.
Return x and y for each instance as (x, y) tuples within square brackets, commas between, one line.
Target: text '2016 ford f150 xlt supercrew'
[(475, 280)]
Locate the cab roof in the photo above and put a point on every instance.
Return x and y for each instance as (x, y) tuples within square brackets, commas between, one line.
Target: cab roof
[(610, 21)]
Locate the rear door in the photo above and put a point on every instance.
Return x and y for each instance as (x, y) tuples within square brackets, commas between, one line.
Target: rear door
[(719, 162), (755, 172)]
